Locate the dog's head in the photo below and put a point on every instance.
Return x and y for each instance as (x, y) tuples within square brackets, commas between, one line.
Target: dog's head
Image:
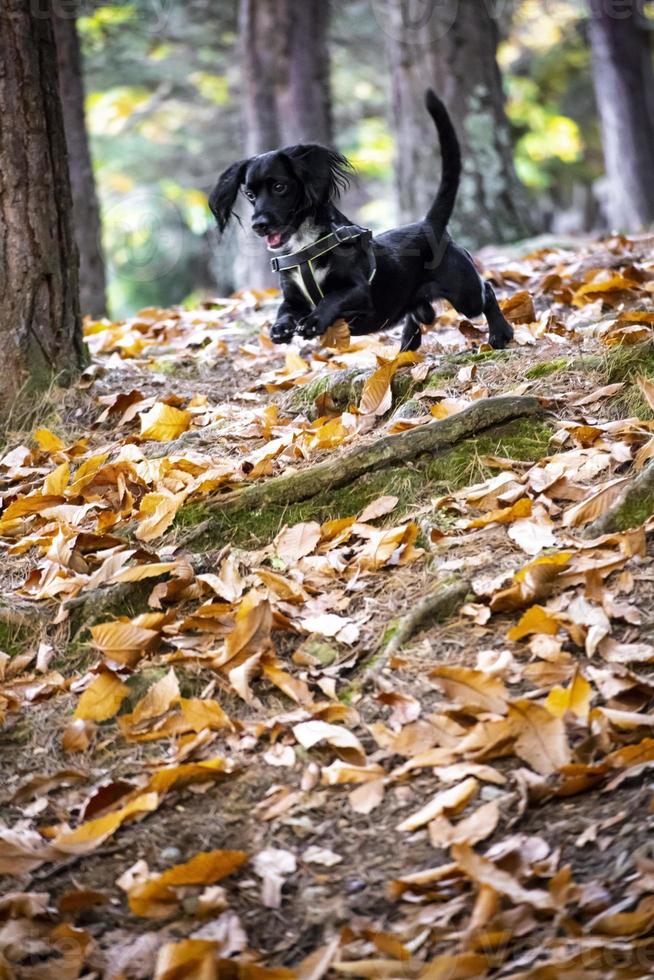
[(285, 187)]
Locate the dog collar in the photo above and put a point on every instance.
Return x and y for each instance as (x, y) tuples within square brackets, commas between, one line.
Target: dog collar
[(303, 259)]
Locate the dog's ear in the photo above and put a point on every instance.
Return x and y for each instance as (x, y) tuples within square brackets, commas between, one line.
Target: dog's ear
[(223, 196), (324, 173)]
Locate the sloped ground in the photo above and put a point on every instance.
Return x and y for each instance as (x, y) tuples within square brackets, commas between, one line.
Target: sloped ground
[(217, 761)]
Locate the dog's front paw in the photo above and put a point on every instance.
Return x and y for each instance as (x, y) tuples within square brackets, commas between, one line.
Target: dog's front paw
[(282, 331), (500, 336), (311, 326)]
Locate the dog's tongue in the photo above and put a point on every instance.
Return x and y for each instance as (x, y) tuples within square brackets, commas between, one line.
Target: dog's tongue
[(274, 240)]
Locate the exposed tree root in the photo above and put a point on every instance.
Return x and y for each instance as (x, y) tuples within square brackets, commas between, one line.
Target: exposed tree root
[(433, 608), (633, 507), (389, 450)]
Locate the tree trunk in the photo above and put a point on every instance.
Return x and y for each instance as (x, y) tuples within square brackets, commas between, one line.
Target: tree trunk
[(39, 302), (624, 87), (86, 212), (285, 65), (452, 47)]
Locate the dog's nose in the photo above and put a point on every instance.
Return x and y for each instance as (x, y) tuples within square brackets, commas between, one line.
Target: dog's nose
[(260, 226)]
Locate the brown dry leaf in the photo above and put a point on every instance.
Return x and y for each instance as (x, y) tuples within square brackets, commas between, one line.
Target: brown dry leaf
[(156, 701), (484, 872), (292, 687), (78, 735), (457, 966), (102, 698), (448, 801), (595, 505), (123, 642), (575, 698), (534, 620), (89, 835), (251, 633), (155, 898), (477, 827), (540, 739), (347, 745), (293, 543), (164, 423), (533, 582), (647, 388), (366, 797), (377, 396), (378, 508), (519, 308), (471, 688), (337, 336), (23, 850), (281, 586)]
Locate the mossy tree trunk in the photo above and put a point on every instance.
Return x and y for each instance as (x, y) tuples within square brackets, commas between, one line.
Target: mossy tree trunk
[(452, 47), (620, 37), (86, 212), (39, 302)]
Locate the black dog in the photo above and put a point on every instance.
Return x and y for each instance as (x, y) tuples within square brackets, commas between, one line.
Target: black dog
[(331, 269)]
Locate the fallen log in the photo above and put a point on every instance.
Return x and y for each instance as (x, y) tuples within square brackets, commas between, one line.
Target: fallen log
[(632, 508), (434, 437)]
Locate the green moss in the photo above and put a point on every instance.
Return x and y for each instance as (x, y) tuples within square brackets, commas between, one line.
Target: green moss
[(15, 638), (626, 362), (412, 483), (547, 368), (635, 513)]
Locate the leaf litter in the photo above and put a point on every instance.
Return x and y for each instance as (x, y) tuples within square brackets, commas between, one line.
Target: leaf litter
[(198, 755)]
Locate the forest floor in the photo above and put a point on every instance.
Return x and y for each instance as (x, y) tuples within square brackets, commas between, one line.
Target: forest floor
[(385, 722)]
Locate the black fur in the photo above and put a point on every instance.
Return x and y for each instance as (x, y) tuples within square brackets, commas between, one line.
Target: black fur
[(293, 192)]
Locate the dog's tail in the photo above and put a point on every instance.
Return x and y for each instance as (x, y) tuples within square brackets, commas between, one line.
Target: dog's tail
[(440, 212)]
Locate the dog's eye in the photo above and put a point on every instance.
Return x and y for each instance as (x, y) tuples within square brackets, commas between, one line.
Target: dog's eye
[(279, 187), (251, 196)]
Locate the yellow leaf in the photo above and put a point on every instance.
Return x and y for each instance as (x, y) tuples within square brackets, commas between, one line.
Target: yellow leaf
[(647, 388), (200, 714), (472, 688), (164, 423), (56, 482), (158, 511), (48, 442), (139, 572), (191, 772), (574, 698), (519, 510), (102, 698), (377, 397), (155, 898), (292, 687), (348, 746), (156, 701), (92, 833), (534, 620)]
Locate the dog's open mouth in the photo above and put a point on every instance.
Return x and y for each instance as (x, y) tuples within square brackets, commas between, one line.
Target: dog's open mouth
[(275, 240)]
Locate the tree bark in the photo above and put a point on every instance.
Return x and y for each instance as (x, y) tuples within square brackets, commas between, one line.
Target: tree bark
[(39, 301), (452, 47), (620, 37), (86, 212), (285, 67)]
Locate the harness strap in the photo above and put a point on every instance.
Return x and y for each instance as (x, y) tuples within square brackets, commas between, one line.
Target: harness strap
[(303, 260)]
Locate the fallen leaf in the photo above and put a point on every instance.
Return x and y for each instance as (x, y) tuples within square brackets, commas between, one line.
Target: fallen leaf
[(164, 423), (102, 698), (156, 898)]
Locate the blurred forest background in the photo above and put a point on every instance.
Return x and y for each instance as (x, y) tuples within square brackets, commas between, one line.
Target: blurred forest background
[(549, 97)]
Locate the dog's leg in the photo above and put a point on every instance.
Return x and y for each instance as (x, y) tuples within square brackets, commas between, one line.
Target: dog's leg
[(336, 306), (284, 327), (411, 335), (500, 331)]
